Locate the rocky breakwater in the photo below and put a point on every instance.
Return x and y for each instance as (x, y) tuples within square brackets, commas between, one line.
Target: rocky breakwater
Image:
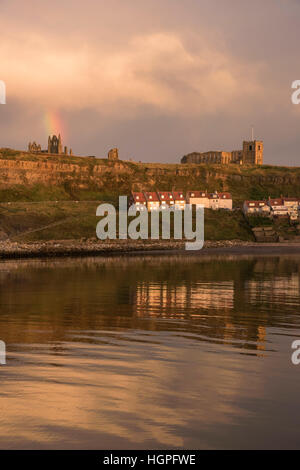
[(92, 247)]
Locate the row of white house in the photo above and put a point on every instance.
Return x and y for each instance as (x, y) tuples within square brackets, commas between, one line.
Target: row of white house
[(280, 207), (154, 200)]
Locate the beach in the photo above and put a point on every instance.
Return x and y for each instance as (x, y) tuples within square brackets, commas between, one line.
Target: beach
[(92, 247)]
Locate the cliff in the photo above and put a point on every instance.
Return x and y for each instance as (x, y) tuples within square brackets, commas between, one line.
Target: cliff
[(31, 177)]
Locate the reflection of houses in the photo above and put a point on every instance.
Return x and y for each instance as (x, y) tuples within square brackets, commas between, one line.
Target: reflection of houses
[(160, 298), (279, 290), (212, 305)]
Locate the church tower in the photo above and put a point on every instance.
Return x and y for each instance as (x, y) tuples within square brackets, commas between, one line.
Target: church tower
[(253, 152)]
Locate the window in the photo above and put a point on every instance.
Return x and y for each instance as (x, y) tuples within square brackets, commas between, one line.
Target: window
[(250, 148)]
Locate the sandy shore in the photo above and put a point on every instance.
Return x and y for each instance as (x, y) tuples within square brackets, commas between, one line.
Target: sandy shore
[(92, 247)]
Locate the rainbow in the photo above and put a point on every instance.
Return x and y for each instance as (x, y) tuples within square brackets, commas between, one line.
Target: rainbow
[(54, 124)]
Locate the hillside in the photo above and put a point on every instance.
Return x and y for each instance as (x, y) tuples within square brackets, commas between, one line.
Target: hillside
[(26, 177), (62, 220)]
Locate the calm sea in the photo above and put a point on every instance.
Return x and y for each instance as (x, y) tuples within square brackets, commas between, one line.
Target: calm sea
[(150, 352)]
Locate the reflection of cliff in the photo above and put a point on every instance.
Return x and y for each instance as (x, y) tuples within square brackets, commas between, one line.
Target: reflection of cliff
[(214, 299)]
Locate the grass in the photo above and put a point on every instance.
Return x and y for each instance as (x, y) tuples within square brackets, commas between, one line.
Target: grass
[(41, 221), (244, 182)]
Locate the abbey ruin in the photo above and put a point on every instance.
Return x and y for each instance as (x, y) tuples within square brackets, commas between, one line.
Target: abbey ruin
[(54, 147), (252, 154)]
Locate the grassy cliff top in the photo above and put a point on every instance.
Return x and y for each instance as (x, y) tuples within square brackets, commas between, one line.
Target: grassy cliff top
[(11, 154)]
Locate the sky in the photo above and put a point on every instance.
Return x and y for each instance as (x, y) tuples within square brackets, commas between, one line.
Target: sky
[(156, 78)]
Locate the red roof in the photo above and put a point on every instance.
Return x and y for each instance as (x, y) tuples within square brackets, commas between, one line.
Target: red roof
[(213, 196), (220, 195), (225, 196), (165, 195), (197, 194), (151, 196), (255, 203), (138, 197), (276, 202), (291, 199), (178, 196)]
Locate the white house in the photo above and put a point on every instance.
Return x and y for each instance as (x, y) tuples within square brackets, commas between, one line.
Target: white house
[(197, 197), (278, 208), (179, 200), (256, 207), (139, 200), (152, 200)]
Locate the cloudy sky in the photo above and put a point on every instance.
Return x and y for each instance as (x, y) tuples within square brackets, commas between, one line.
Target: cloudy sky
[(155, 78)]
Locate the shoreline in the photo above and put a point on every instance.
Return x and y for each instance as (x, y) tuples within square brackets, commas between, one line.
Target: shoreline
[(84, 248)]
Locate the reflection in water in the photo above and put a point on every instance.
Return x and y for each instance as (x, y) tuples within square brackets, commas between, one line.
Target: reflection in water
[(150, 352)]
